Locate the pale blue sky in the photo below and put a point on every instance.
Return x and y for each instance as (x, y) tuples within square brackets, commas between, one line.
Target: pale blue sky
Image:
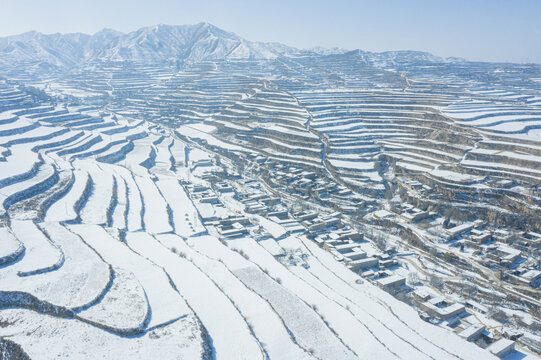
[(489, 30)]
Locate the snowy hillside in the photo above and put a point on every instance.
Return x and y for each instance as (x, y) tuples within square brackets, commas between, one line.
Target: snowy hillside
[(165, 44), (161, 43), (102, 246), (180, 192)]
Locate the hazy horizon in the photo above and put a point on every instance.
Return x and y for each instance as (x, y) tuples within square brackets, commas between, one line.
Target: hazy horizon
[(494, 31)]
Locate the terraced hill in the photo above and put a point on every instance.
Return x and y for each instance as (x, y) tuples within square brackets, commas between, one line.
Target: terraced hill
[(102, 246), (122, 182)]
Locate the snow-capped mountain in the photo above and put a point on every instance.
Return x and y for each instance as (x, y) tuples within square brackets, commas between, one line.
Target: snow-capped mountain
[(170, 43), (190, 43)]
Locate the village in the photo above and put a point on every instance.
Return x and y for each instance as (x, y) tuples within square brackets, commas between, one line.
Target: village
[(352, 181), (233, 206)]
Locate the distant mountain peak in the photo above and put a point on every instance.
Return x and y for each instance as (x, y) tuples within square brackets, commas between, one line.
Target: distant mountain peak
[(165, 43), (108, 31), (152, 44), (328, 51)]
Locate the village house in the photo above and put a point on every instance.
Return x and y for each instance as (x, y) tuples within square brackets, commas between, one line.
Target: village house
[(414, 214), (503, 254), (532, 278), (441, 308), (391, 282), (349, 235), (533, 239), (355, 255), (458, 230), (346, 248), (502, 347), (280, 214), (362, 264), (480, 236), (290, 225), (305, 215), (232, 231), (422, 294), (472, 332), (382, 214), (223, 187), (502, 236), (476, 306)]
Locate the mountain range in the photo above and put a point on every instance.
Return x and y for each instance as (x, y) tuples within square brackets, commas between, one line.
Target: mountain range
[(163, 43)]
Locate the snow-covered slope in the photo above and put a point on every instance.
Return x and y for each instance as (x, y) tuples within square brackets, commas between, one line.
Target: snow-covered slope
[(169, 43), (156, 44), (152, 209), (104, 254)]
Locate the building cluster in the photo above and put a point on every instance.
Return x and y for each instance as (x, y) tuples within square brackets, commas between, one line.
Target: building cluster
[(307, 184), (264, 216), (513, 254), (436, 309), (346, 245), (413, 214)]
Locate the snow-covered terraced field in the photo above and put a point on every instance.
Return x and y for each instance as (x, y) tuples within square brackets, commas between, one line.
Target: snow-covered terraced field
[(350, 131), (109, 207), (104, 261), (505, 118)]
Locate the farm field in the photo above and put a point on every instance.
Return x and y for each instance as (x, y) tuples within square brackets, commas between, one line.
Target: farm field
[(288, 204)]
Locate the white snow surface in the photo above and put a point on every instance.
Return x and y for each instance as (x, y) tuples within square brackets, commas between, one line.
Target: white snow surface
[(118, 263)]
